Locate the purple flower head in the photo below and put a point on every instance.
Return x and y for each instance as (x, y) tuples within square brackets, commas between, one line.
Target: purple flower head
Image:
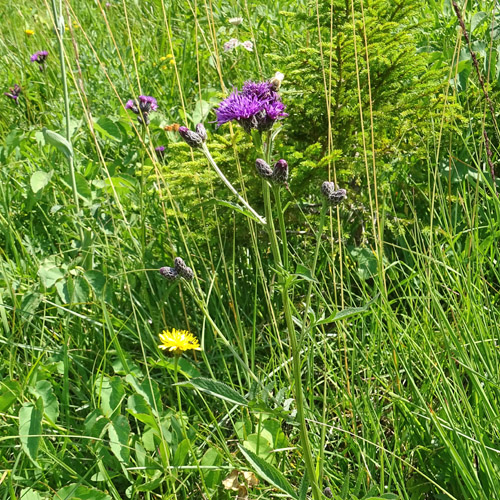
[(257, 106), (263, 169), (39, 56), (142, 107), (160, 152), (13, 92)]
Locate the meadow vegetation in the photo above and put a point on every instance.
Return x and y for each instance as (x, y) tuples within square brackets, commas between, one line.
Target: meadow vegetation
[(315, 343)]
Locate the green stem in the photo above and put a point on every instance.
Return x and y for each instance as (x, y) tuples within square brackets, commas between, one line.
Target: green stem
[(59, 27), (295, 352), (281, 219), (231, 188), (322, 217)]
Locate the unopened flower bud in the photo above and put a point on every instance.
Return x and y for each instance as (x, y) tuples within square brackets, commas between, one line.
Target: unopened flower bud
[(263, 169), (182, 269), (169, 273), (200, 130), (333, 195), (280, 172), (193, 139)]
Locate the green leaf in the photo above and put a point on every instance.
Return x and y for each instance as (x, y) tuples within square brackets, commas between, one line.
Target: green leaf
[(217, 389), (268, 472), (108, 129), (96, 280), (49, 274), (9, 392), (30, 494), (58, 141), (79, 492), (30, 428), (181, 453), (44, 389), (260, 445), (228, 204), (137, 406), (39, 180), (149, 390), (111, 392), (477, 19), (119, 432)]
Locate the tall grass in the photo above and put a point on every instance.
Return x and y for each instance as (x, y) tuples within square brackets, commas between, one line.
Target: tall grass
[(397, 338)]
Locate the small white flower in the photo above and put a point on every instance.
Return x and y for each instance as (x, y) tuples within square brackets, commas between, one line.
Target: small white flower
[(248, 45), (236, 21), (232, 44)]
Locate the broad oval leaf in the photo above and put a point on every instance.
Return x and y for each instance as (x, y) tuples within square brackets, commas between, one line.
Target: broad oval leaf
[(58, 141), (39, 180)]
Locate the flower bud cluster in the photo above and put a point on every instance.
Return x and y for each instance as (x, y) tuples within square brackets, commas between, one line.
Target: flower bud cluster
[(180, 270), (194, 139), (333, 195), (277, 175)]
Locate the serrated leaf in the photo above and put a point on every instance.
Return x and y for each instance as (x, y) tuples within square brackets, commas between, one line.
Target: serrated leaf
[(39, 180), (9, 392), (217, 389), (268, 472), (58, 141), (119, 432), (30, 428)]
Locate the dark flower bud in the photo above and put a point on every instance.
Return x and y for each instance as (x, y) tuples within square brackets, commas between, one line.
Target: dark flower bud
[(280, 172), (263, 169), (200, 130), (328, 492), (182, 269), (193, 139), (333, 195), (169, 273)]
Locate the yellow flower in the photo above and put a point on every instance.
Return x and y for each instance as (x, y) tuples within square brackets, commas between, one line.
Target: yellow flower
[(169, 56), (29, 32), (163, 58), (178, 341), (172, 61), (163, 67)]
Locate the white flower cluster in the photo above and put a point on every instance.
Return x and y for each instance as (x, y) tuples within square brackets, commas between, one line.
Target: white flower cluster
[(234, 42)]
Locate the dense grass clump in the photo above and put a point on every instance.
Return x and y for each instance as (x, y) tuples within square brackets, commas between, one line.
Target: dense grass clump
[(298, 298)]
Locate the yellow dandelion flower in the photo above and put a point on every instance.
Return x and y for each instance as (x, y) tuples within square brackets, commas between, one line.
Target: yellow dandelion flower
[(163, 58), (163, 67), (66, 28), (29, 32), (169, 56), (178, 341), (172, 61)]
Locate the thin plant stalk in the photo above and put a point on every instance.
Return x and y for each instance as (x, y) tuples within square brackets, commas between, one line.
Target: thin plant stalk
[(295, 352), (59, 27), (231, 188)]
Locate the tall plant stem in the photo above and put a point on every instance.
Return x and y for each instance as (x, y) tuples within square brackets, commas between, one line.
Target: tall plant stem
[(59, 27), (296, 365), (231, 188)]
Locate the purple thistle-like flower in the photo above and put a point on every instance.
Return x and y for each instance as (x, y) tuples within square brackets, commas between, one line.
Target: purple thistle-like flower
[(142, 107), (39, 56), (13, 92), (257, 106), (160, 151), (169, 273), (263, 169)]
